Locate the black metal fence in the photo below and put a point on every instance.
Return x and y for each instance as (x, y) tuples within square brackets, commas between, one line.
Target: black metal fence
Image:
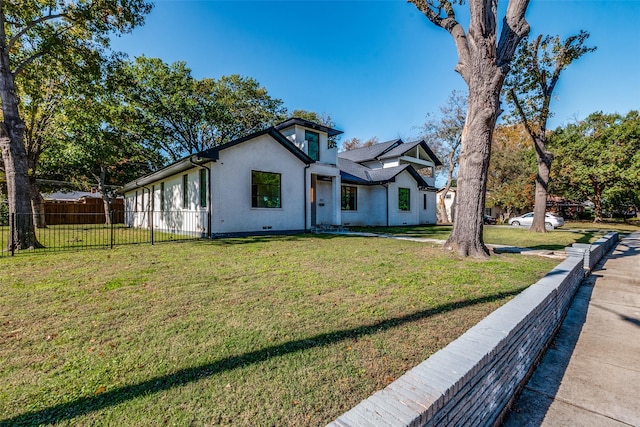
[(73, 231)]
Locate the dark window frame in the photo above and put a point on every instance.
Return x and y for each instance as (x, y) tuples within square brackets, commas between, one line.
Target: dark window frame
[(185, 191), (203, 188), (316, 143), (266, 195), (404, 199), (162, 196), (349, 198)]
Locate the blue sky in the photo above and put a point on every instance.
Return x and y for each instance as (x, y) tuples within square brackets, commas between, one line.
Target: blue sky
[(378, 67)]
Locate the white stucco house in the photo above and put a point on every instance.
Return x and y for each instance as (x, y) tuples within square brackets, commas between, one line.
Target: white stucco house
[(287, 178)]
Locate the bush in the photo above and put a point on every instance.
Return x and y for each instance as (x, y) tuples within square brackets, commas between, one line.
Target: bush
[(4, 210)]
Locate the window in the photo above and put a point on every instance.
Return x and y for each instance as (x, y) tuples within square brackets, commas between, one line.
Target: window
[(135, 205), (424, 201), (162, 196), (313, 144), (203, 188), (349, 198), (143, 208), (447, 196), (404, 203), (265, 190), (185, 191)]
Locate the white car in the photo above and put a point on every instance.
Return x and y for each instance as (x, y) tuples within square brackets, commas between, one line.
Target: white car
[(550, 220)]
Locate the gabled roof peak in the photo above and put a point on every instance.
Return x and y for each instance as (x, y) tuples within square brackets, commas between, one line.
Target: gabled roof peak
[(308, 124)]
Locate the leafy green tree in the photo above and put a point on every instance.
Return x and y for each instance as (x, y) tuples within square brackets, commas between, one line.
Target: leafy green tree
[(529, 89), (96, 149), (597, 156), (178, 114), (444, 135), (36, 30), (484, 60), (42, 89)]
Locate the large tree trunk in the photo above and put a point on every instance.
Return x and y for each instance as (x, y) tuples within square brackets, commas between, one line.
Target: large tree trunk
[(447, 187), (18, 194), (597, 203), (37, 204), (442, 209), (14, 156), (466, 237), (106, 199), (544, 158)]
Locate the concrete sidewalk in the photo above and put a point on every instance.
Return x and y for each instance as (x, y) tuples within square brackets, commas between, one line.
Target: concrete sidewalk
[(590, 376)]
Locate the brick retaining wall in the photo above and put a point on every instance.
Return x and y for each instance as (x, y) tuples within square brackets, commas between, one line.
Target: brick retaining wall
[(473, 379)]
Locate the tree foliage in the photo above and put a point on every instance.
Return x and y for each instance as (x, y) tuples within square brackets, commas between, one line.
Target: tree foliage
[(511, 179), (47, 30), (529, 89), (599, 158), (180, 115), (94, 148)]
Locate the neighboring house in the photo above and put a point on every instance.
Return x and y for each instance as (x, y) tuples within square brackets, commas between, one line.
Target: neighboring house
[(79, 207), (449, 201), (282, 179)]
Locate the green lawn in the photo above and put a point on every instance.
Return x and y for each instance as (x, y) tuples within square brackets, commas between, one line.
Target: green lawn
[(255, 331), (572, 232)]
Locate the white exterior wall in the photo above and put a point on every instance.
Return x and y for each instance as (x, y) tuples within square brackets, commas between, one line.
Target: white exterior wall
[(371, 207), (231, 188), (430, 214), (174, 218), (396, 216), (296, 133)]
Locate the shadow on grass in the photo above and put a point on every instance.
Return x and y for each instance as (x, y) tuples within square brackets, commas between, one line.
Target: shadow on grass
[(85, 405)]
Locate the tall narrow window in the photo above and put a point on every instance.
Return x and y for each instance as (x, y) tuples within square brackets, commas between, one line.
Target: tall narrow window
[(265, 190), (313, 144), (162, 196), (404, 199), (424, 201), (185, 191), (135, 204), (203, 188), (349, 198), (143, 208)]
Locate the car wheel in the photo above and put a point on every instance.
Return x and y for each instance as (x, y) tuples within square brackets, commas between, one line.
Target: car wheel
[(548, 225), (515, 223)]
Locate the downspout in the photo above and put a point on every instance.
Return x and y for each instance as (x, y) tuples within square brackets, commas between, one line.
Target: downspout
[(209, 198), (306, 198)]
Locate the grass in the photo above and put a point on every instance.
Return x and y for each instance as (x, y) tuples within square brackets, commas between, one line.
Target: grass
[(77, 236), (571, 232), (255, 331)]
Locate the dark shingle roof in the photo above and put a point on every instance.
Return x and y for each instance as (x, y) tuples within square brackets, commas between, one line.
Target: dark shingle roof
[(355, 173), (369, 153), (399, 150), (387, 150), (309, 124)]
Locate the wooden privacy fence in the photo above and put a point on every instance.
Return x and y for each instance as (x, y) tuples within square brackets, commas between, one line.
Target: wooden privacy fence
[(86, 211)]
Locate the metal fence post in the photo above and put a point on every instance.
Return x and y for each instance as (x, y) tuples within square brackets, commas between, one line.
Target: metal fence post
[(112, 229)]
